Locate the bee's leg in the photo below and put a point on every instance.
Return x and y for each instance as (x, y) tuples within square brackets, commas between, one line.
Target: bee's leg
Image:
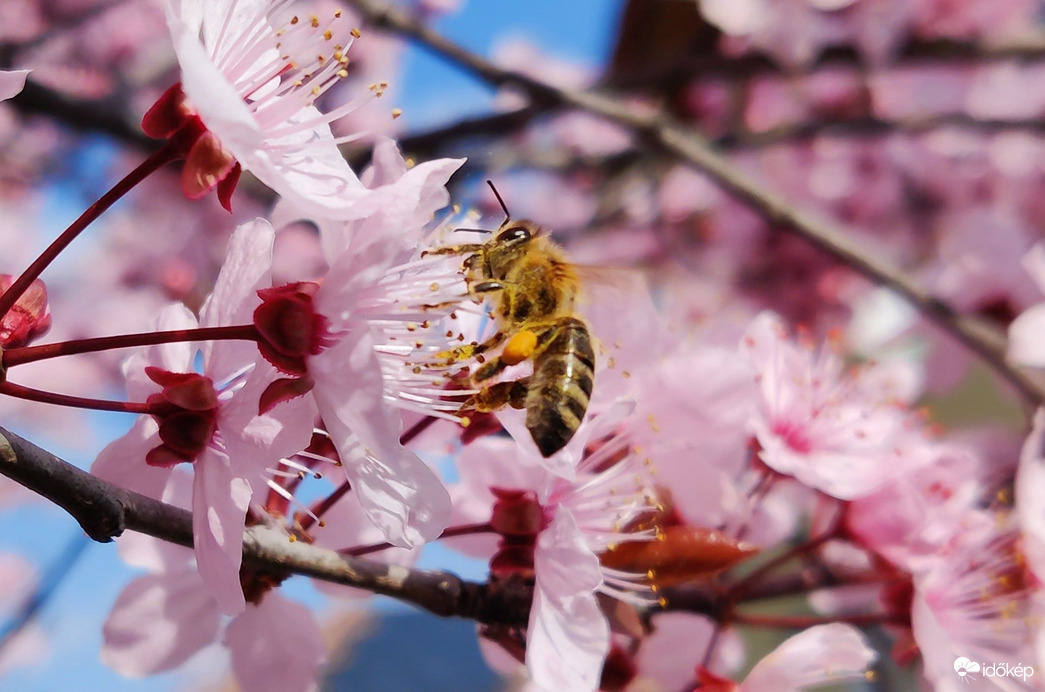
[(499, 395), (489, 370), (466, 249), (478, 289), (521, 346), (471, 350), (487, 286)]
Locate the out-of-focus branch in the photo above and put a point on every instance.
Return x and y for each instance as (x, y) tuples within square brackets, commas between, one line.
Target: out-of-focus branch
[(105, 511), (875, 127), (428, 143), (661, 132), (755, 64), (110, 116)]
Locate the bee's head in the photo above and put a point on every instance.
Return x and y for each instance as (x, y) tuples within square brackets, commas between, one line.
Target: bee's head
[(513, 234), (509, 244)]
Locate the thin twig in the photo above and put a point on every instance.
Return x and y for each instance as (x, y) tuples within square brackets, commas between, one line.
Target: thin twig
[(55, 575), (659, 131), (105, 511)]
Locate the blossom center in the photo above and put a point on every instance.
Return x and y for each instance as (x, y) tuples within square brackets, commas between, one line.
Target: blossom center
[(187, 412), (518, 517), (794, 436), (290, 327)]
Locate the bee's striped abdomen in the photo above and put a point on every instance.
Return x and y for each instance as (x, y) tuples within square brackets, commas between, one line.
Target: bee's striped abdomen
[(563, 376)]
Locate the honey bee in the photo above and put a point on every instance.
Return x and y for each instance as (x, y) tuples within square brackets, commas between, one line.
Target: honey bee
[(533, 288)]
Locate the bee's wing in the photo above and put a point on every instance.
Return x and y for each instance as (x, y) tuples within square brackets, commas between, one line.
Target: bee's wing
[(604, 283), (625, 325)]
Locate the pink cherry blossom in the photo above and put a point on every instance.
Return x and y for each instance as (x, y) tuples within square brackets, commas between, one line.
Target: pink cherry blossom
[(914, 516), (368, 321), (567, 637), (251, 71), (162, 619), (976, 600), (231, 462), (818, 423)]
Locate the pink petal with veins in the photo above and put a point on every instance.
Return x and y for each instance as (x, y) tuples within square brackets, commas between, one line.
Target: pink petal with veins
[(219, 506)]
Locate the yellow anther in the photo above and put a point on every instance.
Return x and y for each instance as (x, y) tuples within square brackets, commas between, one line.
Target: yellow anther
[(355, 33)]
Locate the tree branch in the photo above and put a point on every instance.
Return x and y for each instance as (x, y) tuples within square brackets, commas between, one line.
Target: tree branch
[(105, 511), (659, 131)]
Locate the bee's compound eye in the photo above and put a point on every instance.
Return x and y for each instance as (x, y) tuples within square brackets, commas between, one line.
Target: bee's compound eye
[(515, 234)]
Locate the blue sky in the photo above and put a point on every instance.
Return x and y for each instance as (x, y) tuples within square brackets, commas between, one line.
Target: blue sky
[(431, 92), (434, 92)]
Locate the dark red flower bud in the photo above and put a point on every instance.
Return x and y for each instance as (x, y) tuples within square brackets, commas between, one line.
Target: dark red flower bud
[(28, 318), (208, 164)]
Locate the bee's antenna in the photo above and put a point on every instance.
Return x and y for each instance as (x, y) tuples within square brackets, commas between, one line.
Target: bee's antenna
[(507, 214), (472, 230)]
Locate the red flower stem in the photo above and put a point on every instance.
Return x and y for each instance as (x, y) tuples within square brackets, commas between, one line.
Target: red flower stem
[(463, 530), (737, 589), (416, 429), (801, 622), (169, 152), (799, 583), (29, 394), (321, 507), (30, 354), (467, 530)]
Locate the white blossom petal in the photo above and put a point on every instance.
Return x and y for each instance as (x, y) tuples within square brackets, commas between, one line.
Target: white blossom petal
[(568, 636)]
